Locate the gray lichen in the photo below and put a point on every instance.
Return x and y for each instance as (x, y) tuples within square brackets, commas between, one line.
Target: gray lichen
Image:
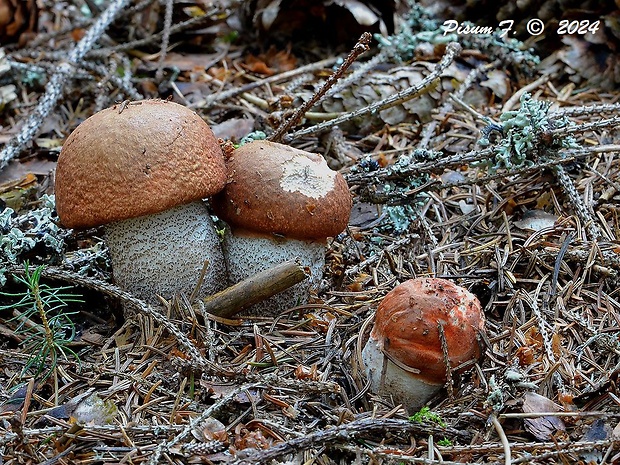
[(495, 397), (400, 217), (251, 137), (20, 234), (36, 236), (526, 136), (421, 28), (401, 208), (92, 261)]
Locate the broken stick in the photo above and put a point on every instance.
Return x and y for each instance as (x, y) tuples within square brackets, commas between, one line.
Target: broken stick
[(255, 289)]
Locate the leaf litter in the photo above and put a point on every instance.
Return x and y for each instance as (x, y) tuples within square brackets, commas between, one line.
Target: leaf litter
[(527, 220)]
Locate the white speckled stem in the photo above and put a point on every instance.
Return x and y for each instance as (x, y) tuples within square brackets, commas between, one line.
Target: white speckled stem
[(247, 255), (164, 253), (389, 380)]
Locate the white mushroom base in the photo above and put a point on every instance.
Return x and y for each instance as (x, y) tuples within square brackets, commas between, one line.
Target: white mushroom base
[(246, 255), (389, 380), (163, 254)]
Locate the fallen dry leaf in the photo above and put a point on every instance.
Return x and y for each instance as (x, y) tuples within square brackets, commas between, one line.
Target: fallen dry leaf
[(272, 62), (18, 170), (599, 430), (535, 220), (251, 439), (542, 428), (234, 129), (211, 429)]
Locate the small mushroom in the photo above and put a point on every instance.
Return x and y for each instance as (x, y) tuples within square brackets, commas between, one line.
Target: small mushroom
[(404, 357), (280, 203), (142, 170)]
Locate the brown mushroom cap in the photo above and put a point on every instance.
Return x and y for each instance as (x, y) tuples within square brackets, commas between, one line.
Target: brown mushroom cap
[(151, 156), (276, 189), (406, 326)]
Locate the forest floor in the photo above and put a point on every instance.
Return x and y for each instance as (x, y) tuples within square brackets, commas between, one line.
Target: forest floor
[(468, 157)]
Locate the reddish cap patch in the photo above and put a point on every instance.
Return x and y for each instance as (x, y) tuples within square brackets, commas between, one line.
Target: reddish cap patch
[(407, 320)]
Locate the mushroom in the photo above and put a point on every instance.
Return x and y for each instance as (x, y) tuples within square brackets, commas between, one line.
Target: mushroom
[(280, 203), (404, 357), (142, 170)]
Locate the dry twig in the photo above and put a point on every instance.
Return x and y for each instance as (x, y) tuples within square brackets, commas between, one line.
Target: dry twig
[(452, 51), (254, 289), (360, 47), (358, 428), (56, 83)]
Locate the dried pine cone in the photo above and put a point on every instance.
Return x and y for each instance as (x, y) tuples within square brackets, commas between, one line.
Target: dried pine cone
[(17, 17)]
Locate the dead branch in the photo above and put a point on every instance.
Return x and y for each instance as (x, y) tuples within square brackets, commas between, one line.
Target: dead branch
[(165, 40), (583, 211), (388, 173), (343, 433), (57, 82), (225, 95), (604, 123), (357, 73), (447, 107), (452, 51), (154, 459), (360, 47), (587, 110), (190, 23), (254, 289)]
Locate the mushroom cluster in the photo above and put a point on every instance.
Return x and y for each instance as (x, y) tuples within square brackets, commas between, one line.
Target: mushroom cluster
[(280, 203), (142, 170), (406, 354)]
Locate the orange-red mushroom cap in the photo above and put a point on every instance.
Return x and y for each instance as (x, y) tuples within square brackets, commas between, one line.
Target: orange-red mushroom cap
[(407, 326)]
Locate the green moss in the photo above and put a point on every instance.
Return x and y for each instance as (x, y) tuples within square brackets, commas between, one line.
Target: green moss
[(426, 416)]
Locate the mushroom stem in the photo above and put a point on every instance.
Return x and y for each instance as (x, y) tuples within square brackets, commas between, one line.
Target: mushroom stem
[(248, 253), (164, 253), (388, 379)]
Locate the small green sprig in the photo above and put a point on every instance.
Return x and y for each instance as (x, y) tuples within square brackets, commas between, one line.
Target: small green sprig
[(39, 315), (426, 416)]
